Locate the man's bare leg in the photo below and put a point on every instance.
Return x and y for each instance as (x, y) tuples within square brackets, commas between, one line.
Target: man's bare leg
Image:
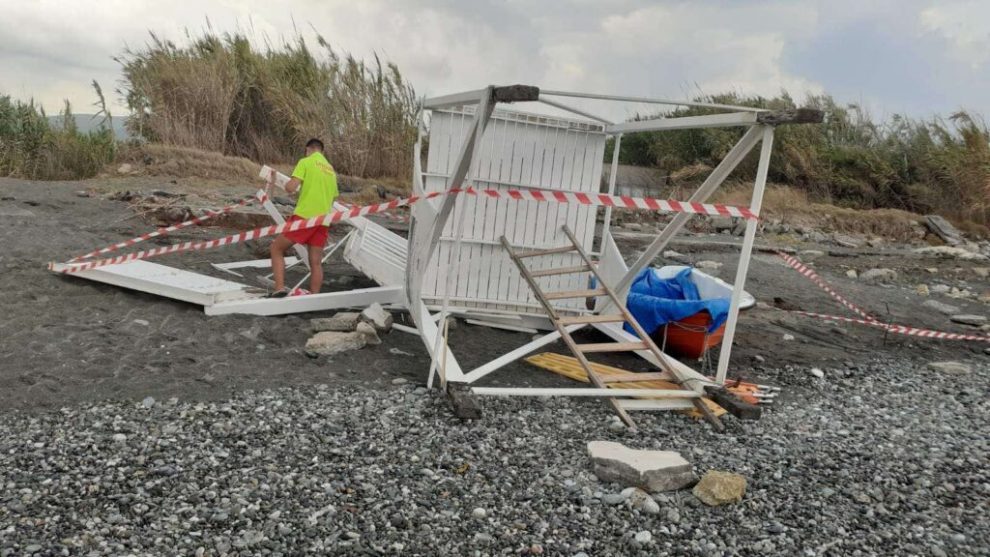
[(315, 268), (278, 249)]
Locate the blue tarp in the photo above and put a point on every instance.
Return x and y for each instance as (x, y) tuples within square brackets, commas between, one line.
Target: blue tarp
[(654, 301)]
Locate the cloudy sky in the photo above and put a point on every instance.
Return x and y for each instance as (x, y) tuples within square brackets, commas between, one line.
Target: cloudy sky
[(913, 56)]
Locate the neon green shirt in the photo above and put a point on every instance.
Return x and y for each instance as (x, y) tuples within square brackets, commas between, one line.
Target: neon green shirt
[(318, 188)]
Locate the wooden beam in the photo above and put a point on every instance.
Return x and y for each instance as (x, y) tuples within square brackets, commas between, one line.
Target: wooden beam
[(791, 116)]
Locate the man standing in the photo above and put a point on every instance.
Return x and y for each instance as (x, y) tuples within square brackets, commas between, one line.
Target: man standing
[(316, 181)]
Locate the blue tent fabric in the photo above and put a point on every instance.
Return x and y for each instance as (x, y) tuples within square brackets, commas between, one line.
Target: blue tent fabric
[(654, 301)]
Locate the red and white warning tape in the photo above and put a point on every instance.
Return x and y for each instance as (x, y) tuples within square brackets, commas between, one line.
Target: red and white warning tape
[(169, 229), (793, 263), (867, 318), (337, 216)]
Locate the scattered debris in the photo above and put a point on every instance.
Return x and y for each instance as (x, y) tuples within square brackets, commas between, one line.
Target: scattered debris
[(949, 251), (708, 265), (378, 317), (342, 321), (328, 343), (788, 336), (851, 273), (720, 488), (943, 230), (142, 322), (941, 307), (649, 470), (879, 275), (922, 290), (671, 254), (952, 368), (399, 352), (968, 319), (369, 332)]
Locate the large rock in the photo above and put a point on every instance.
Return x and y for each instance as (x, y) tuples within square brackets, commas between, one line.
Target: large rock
[(878, 275), (940, 307), (951, 368), (342, 321), (369, 332), (967, 319), (378, 317), (645, 469), (328, 343), (720, 488)]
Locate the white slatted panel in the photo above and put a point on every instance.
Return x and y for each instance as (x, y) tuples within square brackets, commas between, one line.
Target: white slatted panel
[(517, 151)]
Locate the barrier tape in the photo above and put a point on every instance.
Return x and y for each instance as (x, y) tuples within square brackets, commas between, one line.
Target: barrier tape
[(337, 216), (169, 229), (868, 319), (809, 274)]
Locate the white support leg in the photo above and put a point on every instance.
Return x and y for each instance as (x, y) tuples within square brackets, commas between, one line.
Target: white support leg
[(744, 257), (714, 180)]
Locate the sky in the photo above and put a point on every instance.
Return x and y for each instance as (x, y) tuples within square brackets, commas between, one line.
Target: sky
[(891, 56)]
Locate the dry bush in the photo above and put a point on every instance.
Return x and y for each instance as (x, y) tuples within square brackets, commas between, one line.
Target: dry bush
[(153, 159), (222, 93)]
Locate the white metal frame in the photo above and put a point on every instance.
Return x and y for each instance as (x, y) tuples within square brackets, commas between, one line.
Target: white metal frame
[(429, 219)]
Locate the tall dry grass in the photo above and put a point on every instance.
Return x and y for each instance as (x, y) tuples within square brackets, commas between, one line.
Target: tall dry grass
[(31, 146), (851, 160), (223, 93)]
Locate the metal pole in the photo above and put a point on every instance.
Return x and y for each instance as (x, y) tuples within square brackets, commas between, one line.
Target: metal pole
[(747, 251), (648, 100)]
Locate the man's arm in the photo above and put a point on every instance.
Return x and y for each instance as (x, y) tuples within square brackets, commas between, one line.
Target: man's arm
[(292, 185)]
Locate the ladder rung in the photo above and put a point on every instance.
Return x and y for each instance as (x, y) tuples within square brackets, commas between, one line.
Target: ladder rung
[(548, 251), (583, 319), (560, 271), (565, 294), (612, 347), (633, 377)]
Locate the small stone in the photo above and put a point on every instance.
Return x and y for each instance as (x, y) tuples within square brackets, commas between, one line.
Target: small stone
[(378, 317), (614, 498), (641, 500), (343, 321), (649, 470), (720, 488), (879, 275), (788, 336), (922, 290), (940, 307), (982, 272), (758, 358), (142, 322), (817, 372), (939, 289), (400, 381), (124, 169), (851, 273), (479, 513), (951, 368), (846, 241), (709, 265), (968, 319), (119, 437), (643, 537), (148, 402), (811, 253), (671, 254)]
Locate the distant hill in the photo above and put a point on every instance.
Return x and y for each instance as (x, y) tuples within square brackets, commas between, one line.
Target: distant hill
[(90, 122)]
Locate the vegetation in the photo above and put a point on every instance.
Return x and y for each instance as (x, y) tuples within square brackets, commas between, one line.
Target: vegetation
[(220, 93), (33, 147), (938, 165)]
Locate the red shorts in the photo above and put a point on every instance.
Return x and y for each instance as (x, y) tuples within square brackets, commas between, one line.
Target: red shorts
[(316, 236)]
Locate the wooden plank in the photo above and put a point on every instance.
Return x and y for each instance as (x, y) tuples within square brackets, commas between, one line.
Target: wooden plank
[(612, 347), (568, 294), (560, 271), (635, 377), (585, 319), (548, 251)]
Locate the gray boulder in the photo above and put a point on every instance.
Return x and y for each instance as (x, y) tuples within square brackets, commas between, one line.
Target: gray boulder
[(342, 321), (376, 315), (878, 275), (941, 307), (648, 470), (329, 343), (968, 319)]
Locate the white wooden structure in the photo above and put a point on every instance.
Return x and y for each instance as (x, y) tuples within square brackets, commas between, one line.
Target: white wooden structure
[(453, 259)]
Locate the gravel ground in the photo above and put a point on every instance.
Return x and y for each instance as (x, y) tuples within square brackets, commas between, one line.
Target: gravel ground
[(879, 459)]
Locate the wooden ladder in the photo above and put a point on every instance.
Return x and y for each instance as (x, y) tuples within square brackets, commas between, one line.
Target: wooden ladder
[(562, 323)]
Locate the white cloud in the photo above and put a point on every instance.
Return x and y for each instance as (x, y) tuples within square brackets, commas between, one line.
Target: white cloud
[(965, 26)]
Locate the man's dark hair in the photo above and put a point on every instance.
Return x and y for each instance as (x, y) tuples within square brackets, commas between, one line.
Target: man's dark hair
[(315, 143)]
